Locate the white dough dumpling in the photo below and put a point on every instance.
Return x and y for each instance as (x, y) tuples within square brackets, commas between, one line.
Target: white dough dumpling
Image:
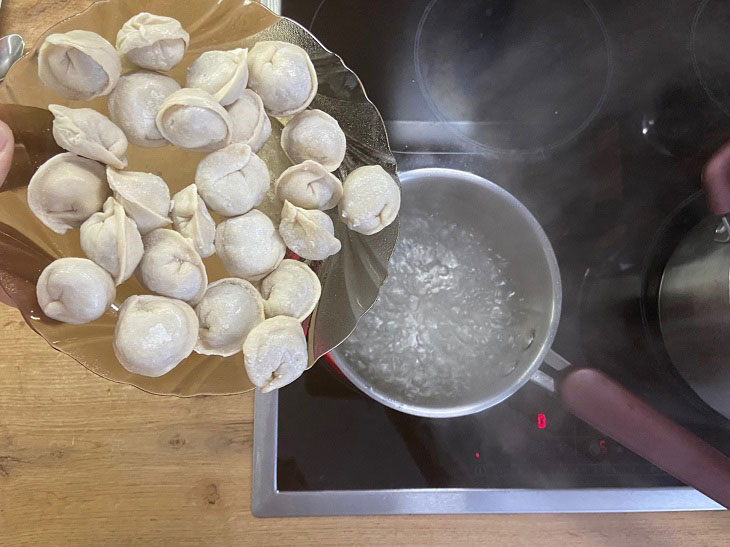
[(74, 290), (370, 200), (314, 135), (111, 239), (283, 76), (144, 196), (66, 190), (172, 267), (229, 310), (233, 180), (310, 186), (223, 74), (292, 289), (90, 134), (154, 334), (275, 353), (309, 233), (191, 218), (251, 125), (152, 41), (192, 119), (79, 64), (249, 245), (134, 103)]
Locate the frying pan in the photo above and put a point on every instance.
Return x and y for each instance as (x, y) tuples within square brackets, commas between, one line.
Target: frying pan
[(587, 393)]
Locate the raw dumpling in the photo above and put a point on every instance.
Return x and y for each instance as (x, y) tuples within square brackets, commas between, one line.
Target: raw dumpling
[(112, 240), (66, 190), (134, 103), (292, 289), (74, 290), (223, 74), (79, 65), (232, 181), (251, 125), (144, 196), (152, 41), (172, 267), (310, 234), (191, 218), (370, 200), (90, 134), (275, 353), (283, 76), (314, 135), (229, 310), (309, 185), (193, 119), (249, 246), (153, 334)]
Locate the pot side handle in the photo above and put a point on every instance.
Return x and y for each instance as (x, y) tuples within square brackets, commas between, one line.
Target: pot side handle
[(604, 404), (716, 181)]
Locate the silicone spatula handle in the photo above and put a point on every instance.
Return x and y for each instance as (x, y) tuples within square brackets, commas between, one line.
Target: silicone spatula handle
[(716, 181), (619, 414)]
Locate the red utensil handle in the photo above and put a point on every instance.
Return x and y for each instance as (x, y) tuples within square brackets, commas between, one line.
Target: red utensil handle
[(716, 181), (610, 408)]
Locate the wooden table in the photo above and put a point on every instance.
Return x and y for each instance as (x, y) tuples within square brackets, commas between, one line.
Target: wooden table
[(84, 461)]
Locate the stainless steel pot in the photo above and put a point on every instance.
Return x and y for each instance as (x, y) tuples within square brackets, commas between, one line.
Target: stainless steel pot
[(694, 310), (466, 198), (694, 297), (589, 394)]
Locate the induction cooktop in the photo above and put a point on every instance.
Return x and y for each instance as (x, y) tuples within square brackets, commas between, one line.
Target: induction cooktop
[(598, 115)]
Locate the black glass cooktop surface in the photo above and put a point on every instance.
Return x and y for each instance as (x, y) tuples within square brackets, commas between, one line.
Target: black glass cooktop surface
[(598, 115)]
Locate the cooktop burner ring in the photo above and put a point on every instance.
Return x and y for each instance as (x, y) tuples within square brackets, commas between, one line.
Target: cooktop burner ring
[(565, 133), (706, 81)]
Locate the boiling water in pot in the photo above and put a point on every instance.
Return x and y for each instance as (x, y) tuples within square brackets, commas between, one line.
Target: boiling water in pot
[(448, 313)]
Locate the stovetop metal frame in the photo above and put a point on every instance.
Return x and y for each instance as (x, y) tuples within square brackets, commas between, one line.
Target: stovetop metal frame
[(268, 501)]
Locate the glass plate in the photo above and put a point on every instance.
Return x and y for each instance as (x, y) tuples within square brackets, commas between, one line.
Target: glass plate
[(350, 280)]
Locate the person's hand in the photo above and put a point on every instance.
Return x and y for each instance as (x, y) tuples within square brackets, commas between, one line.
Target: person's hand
[(7, 147)]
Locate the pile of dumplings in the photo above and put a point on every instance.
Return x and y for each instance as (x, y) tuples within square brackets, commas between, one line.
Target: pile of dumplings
[(131, 225)]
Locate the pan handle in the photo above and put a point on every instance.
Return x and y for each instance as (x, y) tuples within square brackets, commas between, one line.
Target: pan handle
[(596, 399), (556, 362)]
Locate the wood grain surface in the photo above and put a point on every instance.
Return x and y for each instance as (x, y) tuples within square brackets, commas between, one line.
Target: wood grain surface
[(84, 461)]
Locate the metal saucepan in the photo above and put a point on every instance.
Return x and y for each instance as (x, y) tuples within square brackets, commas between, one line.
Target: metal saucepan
[(488, 209), (694, 296)]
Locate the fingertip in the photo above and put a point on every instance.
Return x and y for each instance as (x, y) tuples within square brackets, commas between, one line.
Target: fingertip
[(7, 147), (6, 136)]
